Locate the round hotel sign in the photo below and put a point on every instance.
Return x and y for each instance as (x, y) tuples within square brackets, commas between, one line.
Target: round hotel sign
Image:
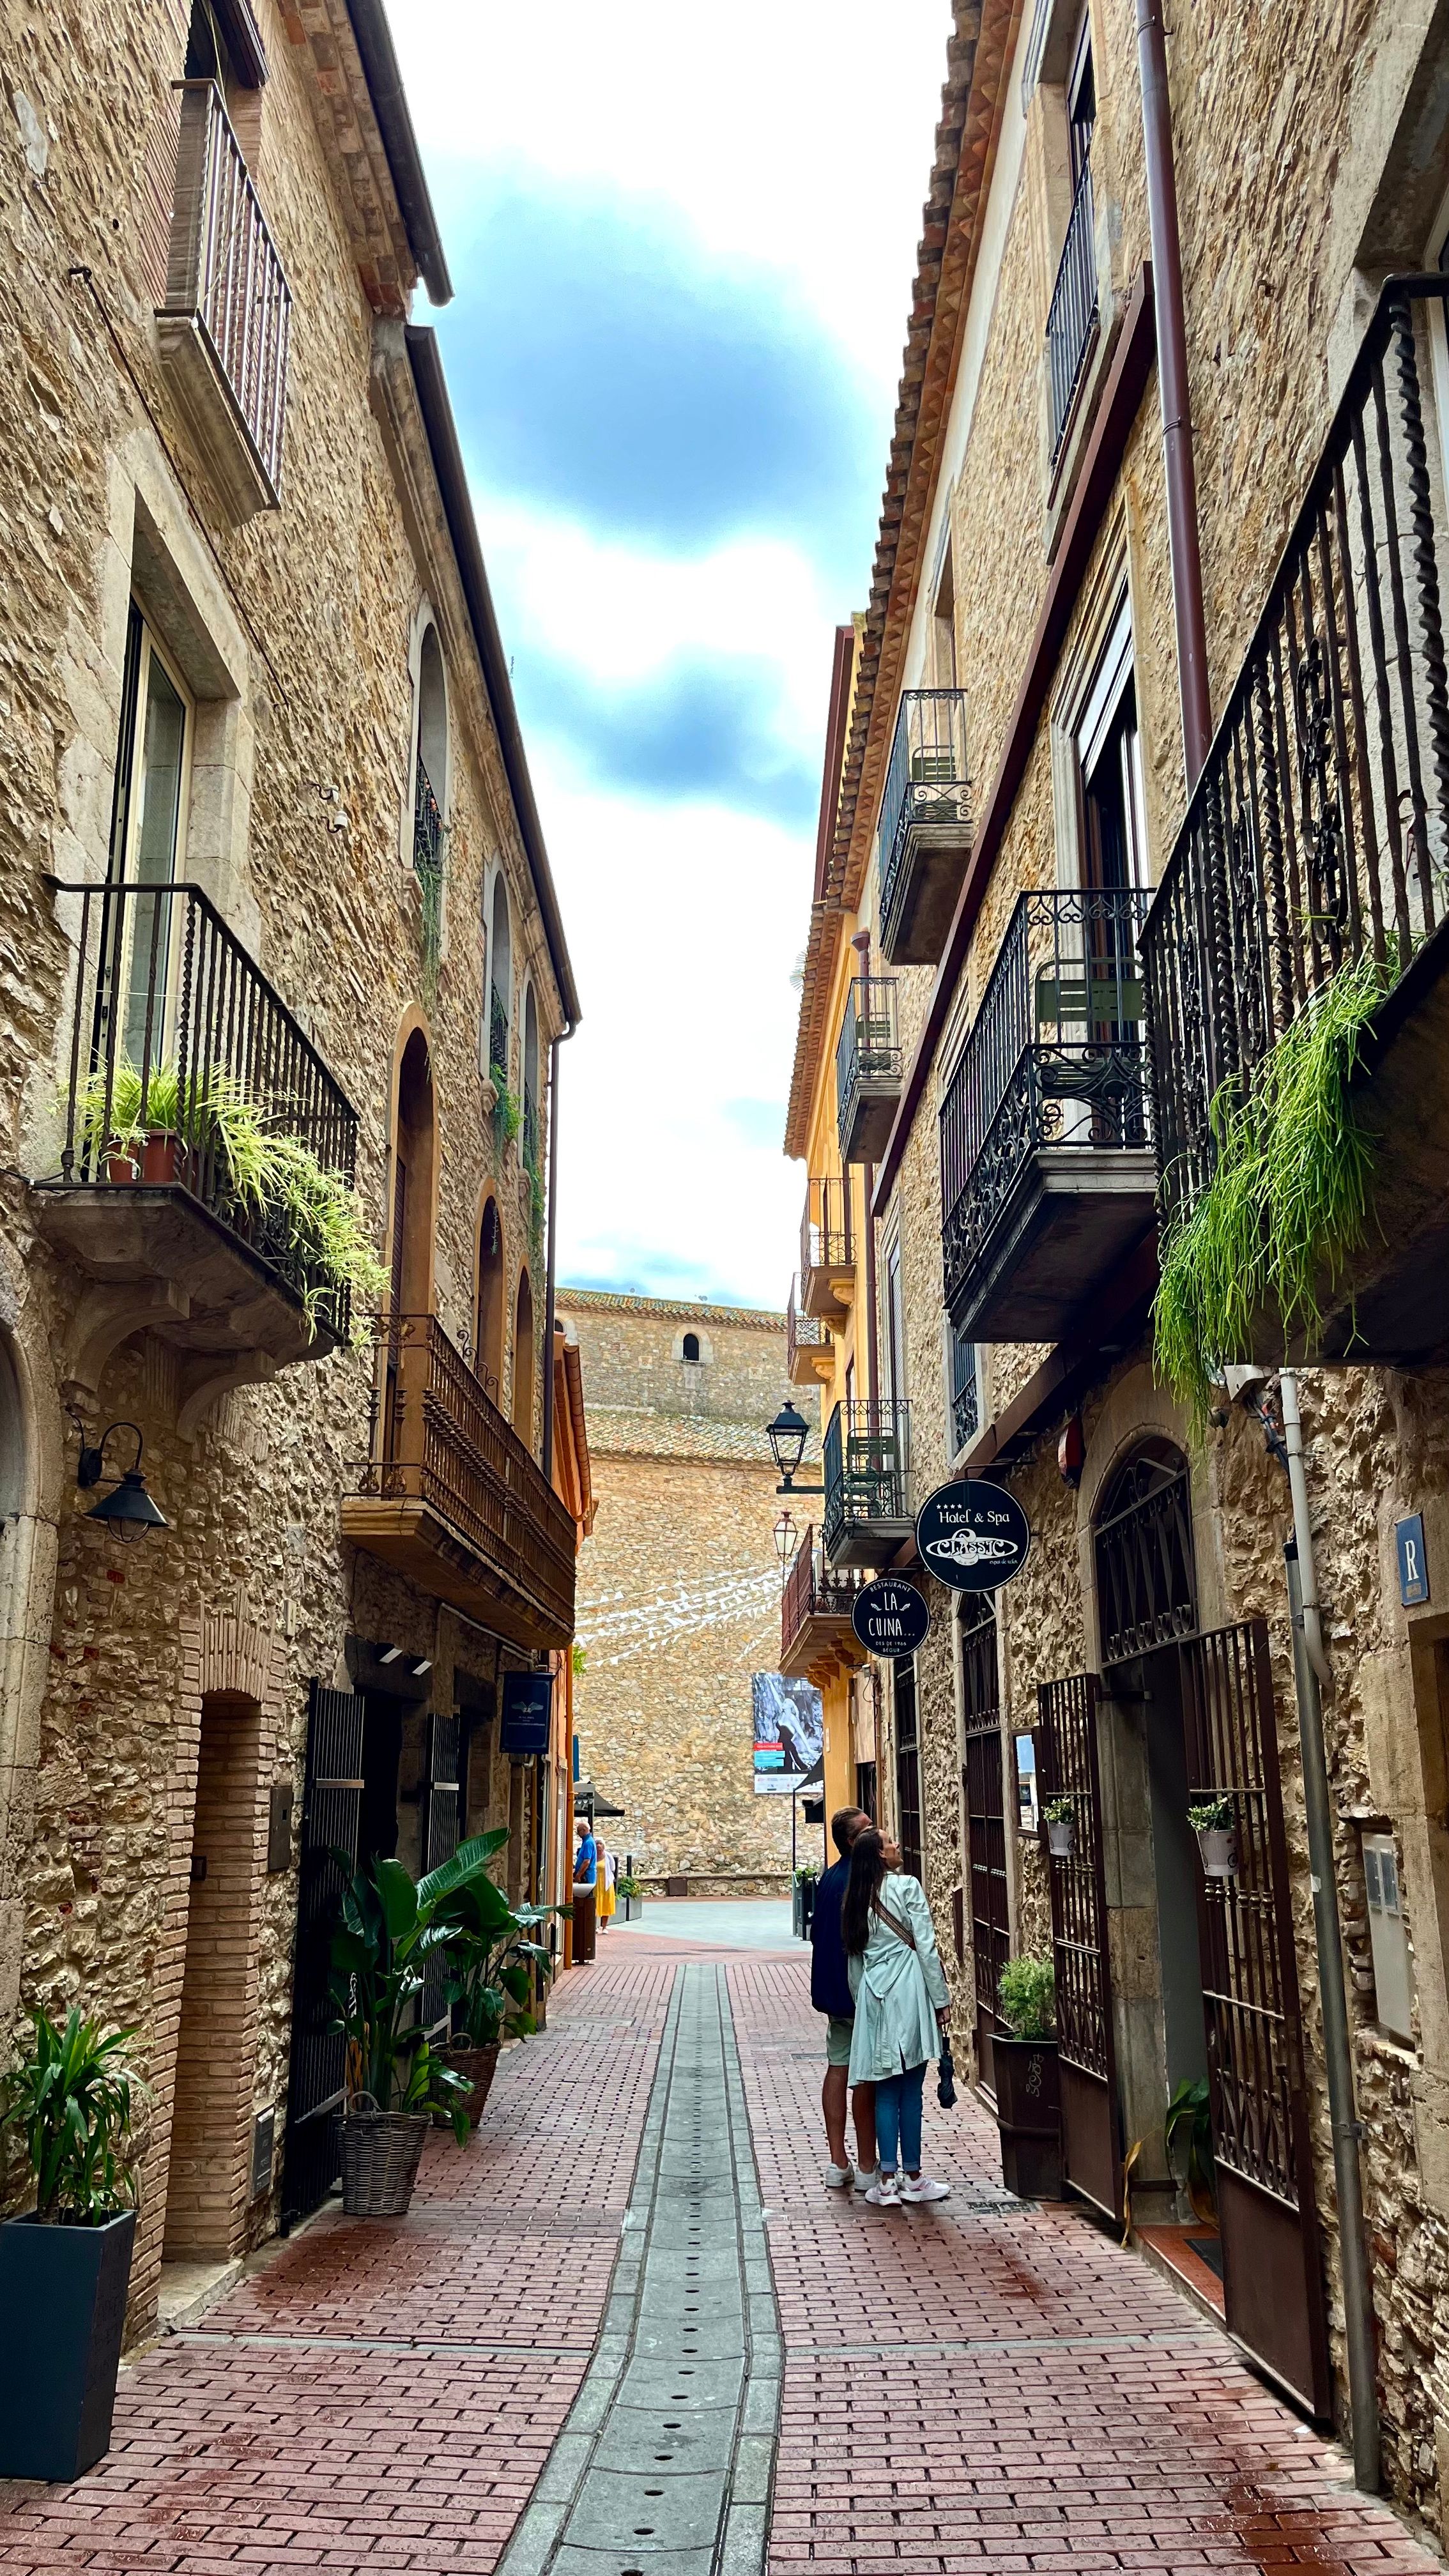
[(890, 1617), (973, 1536)]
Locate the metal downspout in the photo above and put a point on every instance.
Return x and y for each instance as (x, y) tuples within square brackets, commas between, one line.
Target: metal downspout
[(1309, 1669), (1192, 669)]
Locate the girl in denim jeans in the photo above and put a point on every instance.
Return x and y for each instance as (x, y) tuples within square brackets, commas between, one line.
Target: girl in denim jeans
[(902, 2010)]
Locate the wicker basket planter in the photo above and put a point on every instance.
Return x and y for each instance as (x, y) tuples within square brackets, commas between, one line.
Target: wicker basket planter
[(381, 2151), (477, 2066)]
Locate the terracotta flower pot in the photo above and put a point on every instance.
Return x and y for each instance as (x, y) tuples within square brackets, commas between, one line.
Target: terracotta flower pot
[(156, 1161), (477, 2066)]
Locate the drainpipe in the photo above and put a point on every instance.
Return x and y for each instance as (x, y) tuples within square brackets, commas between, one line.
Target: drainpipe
[(1309, 1669), (1192, 669), (861, 944)]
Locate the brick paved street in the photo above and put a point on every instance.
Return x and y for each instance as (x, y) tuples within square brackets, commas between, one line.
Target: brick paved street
[(981, 2386)]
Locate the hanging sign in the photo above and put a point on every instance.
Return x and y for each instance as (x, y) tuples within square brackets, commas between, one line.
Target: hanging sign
[(889, 1616), (972, 1535), (527, 1708)]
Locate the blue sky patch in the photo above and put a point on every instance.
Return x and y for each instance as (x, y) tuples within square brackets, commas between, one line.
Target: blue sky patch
[(696, 731)]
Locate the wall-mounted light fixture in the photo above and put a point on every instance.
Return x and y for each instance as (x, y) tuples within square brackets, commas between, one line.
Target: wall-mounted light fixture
[(421, 1664), (127, 1511), (787, 1436), (786, 1536), (389, 1654)]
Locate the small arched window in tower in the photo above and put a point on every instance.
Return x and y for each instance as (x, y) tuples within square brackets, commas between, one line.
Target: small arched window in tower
[(500, 985), (690, 1350), (430, 784)]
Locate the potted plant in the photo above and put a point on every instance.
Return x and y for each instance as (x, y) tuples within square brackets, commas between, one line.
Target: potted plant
[(1212, 1822), (1028, 2109), (493, 1964), (391, 1930), (630, 1894), (65, 2267), (1060, 1816), (1187, 2132)]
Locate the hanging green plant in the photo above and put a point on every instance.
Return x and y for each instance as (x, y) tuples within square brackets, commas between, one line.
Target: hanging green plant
[(535, 1204), (507, 1109), (430, 882), (1288, 1201)]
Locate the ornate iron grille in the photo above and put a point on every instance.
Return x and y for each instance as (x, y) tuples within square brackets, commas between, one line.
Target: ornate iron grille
[(1057, 1056), (965, 1391), (497, 1036), (1319, 829), (1073, 315), (801, 1332), (1146, 1579), (815, 1589), (1250, 1984), (224, 274), (869, 1047), (867, 1464), (983, 1787), (427, 824), (1067, 1756), (173, 1018), (908, 1765), (926, 784), (825, 1229)]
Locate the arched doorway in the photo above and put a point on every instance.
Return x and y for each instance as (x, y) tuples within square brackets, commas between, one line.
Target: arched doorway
[(492, 1298), (206, 2175), (410, 1291), (523, 1361)]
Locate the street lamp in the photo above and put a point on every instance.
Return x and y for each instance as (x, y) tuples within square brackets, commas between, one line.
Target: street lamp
[(786, 1536), (127, 1511), (787, 1436)]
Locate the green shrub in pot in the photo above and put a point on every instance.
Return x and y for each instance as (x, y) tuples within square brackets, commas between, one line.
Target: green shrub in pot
[(1026, 1992)]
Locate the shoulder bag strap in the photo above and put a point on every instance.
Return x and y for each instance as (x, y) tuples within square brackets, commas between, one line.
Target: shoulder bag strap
[(894, 1924)]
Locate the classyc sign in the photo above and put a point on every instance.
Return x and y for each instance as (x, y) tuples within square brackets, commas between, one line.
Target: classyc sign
[(973, 1536), (890, 1617)]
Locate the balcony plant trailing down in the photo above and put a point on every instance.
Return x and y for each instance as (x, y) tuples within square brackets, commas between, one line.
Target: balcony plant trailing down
[(1289, 1197)]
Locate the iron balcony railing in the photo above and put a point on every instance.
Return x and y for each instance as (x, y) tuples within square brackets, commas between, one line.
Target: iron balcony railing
[(926, 782), (1073, 315), (801, 1332), (867, 1465), (1057, 1056), (965, 1393), (826, 1241), (224, 276), (869, 1045), (1318, 832), (498, 1035), (815, 1589), (176, 1036), (440, 1439), (427, 825)]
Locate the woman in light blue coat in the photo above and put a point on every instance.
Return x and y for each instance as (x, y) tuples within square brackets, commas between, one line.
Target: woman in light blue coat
[(902, 2009)]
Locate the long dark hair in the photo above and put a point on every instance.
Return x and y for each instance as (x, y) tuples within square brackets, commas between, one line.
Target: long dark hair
[(867, 1869)]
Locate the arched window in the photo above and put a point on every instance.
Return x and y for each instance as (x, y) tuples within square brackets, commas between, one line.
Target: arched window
[(500, 994), (431, 782), (530, 1081), (523, 1361), (1146, 1578), (492, 1298), (411, 1281), (690, 1350)]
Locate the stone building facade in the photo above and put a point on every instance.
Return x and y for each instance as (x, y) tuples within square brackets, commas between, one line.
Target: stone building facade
[(270, 846), (1081, 922), (680, 1597)]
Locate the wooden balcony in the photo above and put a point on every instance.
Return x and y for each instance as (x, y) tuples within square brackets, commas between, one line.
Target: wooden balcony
[(868, 1069), (225, 326), (1047, 1168), (816, 1637), (827, 1251), (1317, 844), (453, 1500), (809, 1351), (925, 826)]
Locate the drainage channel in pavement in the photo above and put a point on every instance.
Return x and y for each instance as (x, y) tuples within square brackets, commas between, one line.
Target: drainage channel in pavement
[(664, 2466)]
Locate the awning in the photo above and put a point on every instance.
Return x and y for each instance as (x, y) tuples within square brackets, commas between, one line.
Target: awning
[(586, 1795)]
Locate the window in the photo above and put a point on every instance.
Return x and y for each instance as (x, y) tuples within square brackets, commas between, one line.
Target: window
[(908, 1765), (1072, 319), (965, 1391), (865, 1789), (1109, 762), (1081, 102), (943, 629), (1388, 1937), (148, 831), (500, 985), (690, 1350), (530, 1081), (895, 1323), (431, 773)]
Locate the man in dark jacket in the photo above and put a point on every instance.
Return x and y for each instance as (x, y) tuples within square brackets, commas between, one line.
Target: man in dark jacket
[(830, 1994)]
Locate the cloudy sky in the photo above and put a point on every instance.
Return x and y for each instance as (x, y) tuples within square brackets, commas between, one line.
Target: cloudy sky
[(682, 244)]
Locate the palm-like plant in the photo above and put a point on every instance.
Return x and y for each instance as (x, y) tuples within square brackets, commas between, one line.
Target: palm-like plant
[(493, 1962), (73, 2096), (392, 1928)]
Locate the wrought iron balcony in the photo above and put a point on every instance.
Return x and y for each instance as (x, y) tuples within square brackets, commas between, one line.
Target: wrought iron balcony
[(925, 826), (815, 1629), (451, 1497), (1047, 1173), (497, 1036), (1318, 835), (868, 1514), (1072, 320), (183, 1063), (827, 1251), (427, 825), (868, 1068), (809, 1351), (226, 323)]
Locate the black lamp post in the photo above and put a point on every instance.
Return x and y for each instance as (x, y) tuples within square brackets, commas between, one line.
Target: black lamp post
[(127, 1511), (787, 1436)]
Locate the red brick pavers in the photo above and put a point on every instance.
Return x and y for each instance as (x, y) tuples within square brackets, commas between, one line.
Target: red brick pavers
[(384, 2395), (991, 2387)]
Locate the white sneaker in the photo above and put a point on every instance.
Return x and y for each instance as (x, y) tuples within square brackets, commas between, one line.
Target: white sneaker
[(883, 2193), (924, 2189), (840, 2177)]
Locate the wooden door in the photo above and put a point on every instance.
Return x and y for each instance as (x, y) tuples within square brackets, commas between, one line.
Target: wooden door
[(331, 1814), (1091, 2122), (1272, 2264)]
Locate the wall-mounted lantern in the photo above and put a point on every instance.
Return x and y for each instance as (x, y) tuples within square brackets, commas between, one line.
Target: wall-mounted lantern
[(127, 1511)]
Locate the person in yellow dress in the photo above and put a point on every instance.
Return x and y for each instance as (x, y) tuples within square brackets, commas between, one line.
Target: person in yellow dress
[(605, 1900)]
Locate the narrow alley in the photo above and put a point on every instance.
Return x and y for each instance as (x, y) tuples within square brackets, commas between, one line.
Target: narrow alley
[(626, 2332)]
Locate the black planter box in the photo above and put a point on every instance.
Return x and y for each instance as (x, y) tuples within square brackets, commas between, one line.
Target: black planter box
[(1028, 2114), (63, 2300)]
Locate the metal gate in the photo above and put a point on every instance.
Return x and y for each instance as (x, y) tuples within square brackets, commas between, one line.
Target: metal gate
[(331, 1813), (1086, 2059), (1272, 2266), (984, 1790)]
